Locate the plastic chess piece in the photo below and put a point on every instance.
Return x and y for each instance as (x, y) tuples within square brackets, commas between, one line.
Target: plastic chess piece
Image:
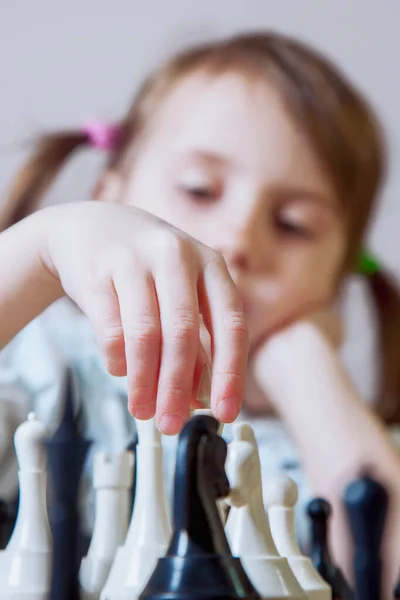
[(319, 511), (132, 447), (149, 531), (281, 498), (247, 528), (25, 564), (112, 481), (3, 523), (396, 591), (199, 563), (66, 452), (223, 506), (366, 502), (10, 518)]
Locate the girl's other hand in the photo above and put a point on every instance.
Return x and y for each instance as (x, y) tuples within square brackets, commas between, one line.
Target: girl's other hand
[(143, 284)]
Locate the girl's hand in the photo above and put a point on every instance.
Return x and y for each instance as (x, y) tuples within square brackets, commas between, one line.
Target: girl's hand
[(143, 284), (270, 361)]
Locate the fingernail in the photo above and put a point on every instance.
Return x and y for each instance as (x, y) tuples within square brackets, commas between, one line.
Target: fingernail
[(227, 410), (142, 412), (171, 424)]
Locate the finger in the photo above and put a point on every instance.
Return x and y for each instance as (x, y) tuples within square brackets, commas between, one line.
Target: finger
[(179, 316), (101, 306), (142, 334), (223, 315)]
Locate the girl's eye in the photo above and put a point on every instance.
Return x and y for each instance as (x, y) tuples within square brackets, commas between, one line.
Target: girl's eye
[(200, 193), (291, 228)]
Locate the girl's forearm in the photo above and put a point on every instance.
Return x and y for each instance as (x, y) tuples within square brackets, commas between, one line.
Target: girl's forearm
[(337, 435), (27, 286), (335, 432)]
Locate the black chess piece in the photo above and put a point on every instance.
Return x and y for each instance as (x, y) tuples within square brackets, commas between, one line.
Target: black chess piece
[(3, 523), (319, 511), (396, 591), (66, 452), (366, 501), (132, 447), (8, 517), (199, 564)]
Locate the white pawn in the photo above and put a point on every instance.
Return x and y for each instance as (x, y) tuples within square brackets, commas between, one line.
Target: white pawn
[(247, 526), (149, 531), (281, 498), (112, 480), (26, 563)]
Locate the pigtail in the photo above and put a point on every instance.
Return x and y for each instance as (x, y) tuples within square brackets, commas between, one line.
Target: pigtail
[(386, 296), (36, 176)]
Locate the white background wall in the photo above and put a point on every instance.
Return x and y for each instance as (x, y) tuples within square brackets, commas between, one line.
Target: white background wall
[(61, 62)]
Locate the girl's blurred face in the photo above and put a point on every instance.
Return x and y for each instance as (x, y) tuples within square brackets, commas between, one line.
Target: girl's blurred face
[(222, 160)]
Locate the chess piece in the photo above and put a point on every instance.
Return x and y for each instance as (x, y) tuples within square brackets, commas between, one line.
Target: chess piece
[(396, 591), (25, 564), (319, 511), (132, 447), (247, 528), (199, 563), (9, 524), (366, 502), (66, 452), (223, 506), (149, 531), (112, 481), (15, 405), (208, 412), (281, 498), (3, 523)]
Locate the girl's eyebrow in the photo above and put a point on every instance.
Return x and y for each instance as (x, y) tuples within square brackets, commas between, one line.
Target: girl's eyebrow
[(305, 193)]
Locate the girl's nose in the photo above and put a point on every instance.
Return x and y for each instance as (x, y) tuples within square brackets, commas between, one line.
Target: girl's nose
[(247, 245)]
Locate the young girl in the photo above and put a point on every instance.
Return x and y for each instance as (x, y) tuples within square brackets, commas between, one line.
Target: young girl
[(260, 149)]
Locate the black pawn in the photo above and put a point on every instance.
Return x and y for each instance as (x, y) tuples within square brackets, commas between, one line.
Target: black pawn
[(66, 452), (319, 511), (366, 502), (199, 564)]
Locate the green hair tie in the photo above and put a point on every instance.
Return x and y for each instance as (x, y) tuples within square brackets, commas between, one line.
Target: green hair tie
[(368, 265)]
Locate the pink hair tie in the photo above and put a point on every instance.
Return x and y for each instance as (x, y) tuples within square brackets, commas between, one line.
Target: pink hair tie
[(102, 136)]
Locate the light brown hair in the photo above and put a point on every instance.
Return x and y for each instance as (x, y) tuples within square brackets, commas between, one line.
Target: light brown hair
[(339, 124)]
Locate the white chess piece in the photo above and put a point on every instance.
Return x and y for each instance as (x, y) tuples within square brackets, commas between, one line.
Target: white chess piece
[(15, 404), (112, 481), (149, 531), (281, 498), (26, 563), (247, 526)]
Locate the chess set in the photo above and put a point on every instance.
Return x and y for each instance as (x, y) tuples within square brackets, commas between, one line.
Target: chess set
[(220, 543)]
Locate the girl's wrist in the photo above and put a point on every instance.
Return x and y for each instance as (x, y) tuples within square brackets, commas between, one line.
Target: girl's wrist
[(43, 225)]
